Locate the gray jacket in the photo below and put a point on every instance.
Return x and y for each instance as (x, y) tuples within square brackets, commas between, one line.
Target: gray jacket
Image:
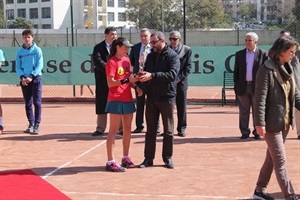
[(270, 100)]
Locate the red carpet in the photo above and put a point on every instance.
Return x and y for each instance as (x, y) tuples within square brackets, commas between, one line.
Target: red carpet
[(26, 185)]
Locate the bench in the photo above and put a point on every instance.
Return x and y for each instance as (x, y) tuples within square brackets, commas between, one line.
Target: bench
[(228, 87)]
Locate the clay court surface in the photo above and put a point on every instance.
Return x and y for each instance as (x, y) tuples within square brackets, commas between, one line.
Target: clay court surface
[(210, 163)]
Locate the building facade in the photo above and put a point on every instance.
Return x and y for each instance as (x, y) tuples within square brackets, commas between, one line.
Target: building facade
[(57, 14)]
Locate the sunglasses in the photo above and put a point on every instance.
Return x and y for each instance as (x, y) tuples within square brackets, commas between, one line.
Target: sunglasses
[(173, 39), (154, 42)]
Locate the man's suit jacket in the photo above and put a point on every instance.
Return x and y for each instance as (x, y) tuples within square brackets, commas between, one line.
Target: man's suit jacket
[(100, 58), (134, 56), (240, 70), (185, 56)]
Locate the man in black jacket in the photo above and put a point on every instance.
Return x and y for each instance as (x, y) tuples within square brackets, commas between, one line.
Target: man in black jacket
[(160, 73), (100, 57)]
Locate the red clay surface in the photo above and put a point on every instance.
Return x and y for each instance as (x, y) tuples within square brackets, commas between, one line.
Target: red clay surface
[(210, 163)]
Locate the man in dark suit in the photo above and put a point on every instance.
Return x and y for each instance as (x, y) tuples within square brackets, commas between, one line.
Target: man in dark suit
[(185, 55), (247, 62), (138, 56), (100, 57)]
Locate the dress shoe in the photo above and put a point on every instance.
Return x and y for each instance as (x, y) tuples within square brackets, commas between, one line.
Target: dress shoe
[(137, 130), (181, 134), (97, 133), (146, 163), (245, 136), (169, 164), (256, 136)]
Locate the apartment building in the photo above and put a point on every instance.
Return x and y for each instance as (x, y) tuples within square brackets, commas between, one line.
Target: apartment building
[(270, 11), (57, 14)]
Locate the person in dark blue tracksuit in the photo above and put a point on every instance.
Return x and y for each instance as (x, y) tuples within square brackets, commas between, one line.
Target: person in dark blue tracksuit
[(29, 65)]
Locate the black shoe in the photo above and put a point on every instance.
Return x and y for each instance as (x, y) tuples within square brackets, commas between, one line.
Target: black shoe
[(262, 196), (181, 134), (169, 164), (256, 135), (245, 136), (146, 163), (97, 133), (298, 137), (29, 129), (138, 130)]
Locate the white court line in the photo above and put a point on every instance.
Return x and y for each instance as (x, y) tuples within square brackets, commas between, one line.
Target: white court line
[(171, 196), (64, 165)]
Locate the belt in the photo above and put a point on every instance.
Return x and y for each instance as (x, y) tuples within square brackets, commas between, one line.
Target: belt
[(248, 82)]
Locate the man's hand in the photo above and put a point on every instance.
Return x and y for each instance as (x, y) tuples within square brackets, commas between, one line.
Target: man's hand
[(146, 76), (24, 82), (28, 79), (261, 130)]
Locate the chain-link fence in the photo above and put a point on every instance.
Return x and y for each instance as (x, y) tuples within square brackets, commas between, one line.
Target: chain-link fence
[(214, 29)]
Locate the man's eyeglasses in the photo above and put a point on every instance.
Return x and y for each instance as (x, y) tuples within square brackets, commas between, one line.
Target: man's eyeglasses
[(154, 42), (173, 39), (248, 40)]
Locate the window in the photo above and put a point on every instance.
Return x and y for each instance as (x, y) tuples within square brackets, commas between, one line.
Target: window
[(45, 0), (9, 1), (121, 17), (99, 3), (33, 13), (33, 1), (22, 13), (10, 14), (21, 1), (85, 15), (110, 3), (100, 18), (110, 17), (121, 4), (35, 26), (46, 26), (46, 12)]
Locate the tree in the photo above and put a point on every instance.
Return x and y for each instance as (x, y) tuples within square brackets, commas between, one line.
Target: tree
[(2, 19), (161, 15), (205, 14), (167, 15), (20, 23)]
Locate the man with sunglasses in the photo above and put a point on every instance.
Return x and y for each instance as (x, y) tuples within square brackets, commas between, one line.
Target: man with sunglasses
[(247, 62), (159, 75), (185, 55)]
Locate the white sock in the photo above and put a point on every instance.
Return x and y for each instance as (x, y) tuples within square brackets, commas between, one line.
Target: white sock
[(110, 161)]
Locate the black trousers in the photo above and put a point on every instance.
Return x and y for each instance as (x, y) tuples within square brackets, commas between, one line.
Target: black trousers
[(181, 109), (153, 110)]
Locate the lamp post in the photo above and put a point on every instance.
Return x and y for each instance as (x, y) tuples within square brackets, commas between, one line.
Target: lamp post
[(184, 24), (72, 28)]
